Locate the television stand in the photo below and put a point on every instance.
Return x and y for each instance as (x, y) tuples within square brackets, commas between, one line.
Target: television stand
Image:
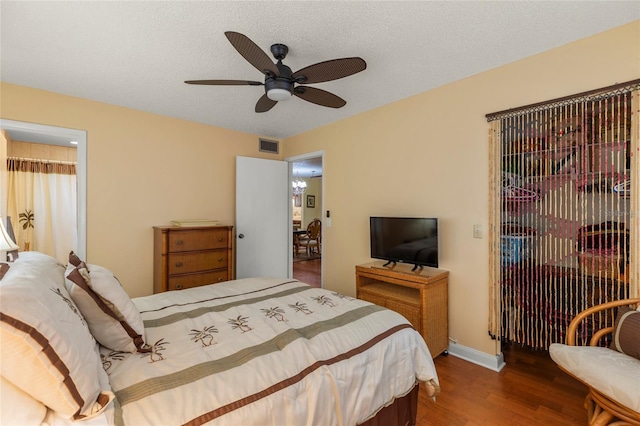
[(420, 296), (420, 267), (389, 263)]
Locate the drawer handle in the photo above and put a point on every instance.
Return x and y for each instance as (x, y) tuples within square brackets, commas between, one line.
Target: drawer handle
[(220, 279), (179, 287), (220, 259), (179, 242), (178, 264), (220, 239)]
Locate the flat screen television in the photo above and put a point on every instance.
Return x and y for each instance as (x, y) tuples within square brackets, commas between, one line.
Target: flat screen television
[(406, 240)]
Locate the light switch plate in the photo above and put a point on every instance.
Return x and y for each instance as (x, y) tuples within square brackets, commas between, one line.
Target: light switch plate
[(477, 231)]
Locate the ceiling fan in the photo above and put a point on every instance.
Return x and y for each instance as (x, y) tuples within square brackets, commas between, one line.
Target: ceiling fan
[(280, 82)]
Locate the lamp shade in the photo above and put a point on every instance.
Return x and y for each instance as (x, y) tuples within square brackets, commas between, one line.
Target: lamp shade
[(278, 94), (6, 243)]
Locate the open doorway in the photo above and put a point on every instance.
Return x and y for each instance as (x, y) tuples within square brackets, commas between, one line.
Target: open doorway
[(56, 136), (307, 218)]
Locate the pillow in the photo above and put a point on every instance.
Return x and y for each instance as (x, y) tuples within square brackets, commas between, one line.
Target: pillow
[(74, 259), (18, 408), (38, 257), (112, 317), (4, 267), (626, 334), (47, 350)]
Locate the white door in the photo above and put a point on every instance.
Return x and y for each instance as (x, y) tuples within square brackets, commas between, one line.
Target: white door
[(262, 218)]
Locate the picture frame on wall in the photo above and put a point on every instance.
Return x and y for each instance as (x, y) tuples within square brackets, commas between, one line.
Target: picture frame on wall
[(311, 201)]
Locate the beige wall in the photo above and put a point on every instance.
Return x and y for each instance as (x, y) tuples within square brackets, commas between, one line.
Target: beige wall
[(428, 156), (4, 141), (314, 187), (142, 170)]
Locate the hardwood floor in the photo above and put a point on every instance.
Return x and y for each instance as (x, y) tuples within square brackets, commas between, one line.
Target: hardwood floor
[(530, 390), (308, 271)]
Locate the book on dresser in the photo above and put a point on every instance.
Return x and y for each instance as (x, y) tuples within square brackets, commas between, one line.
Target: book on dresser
[(185, 257), (421, 296)]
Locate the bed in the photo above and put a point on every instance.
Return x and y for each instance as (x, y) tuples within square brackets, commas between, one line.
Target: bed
[(257, 351)]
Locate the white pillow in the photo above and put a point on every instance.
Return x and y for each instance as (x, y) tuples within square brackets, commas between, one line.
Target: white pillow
[(112, 317), (47, 350), (18, 408)]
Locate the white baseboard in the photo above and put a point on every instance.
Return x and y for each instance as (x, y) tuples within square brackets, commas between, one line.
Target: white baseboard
[(492, 362)]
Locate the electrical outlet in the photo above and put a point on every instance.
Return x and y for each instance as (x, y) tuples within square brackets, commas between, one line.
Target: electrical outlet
[(477, 231)]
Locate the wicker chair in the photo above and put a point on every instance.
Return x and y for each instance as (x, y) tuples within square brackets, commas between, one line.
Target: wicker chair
[(601, 409)]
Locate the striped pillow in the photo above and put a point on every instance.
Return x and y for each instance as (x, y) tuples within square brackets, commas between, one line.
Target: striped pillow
[(4, 267), (47, 350), (112, 317), (626, 335)]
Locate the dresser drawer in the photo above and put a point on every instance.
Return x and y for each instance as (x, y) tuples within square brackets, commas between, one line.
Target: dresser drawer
[(182, 263), (191, 256), (189, 240), (196, 280)]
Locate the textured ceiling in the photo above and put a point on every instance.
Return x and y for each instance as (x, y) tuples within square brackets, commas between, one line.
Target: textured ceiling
[(137, 54)]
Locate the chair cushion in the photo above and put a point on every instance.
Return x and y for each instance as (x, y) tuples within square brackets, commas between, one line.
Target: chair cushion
[(612, 373), (626, 335)]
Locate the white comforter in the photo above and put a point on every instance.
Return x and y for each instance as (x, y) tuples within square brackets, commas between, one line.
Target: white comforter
[(265, 351)]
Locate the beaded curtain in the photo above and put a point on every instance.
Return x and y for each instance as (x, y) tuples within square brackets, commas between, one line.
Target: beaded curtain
[(564, 216)]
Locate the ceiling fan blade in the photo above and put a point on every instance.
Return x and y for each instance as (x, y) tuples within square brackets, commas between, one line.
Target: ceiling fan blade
[(319, 97), (330, 70), (226, 82), (264, 104), (251, 52)]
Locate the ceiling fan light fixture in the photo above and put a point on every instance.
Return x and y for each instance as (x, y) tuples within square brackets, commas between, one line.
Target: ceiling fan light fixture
[(278, 94), (278, 89), (280, 82)]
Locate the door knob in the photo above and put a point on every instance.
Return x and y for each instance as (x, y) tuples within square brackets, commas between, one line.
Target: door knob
[(241, 236)]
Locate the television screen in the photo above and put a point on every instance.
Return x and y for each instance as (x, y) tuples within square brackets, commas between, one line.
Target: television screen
[(406, 240)]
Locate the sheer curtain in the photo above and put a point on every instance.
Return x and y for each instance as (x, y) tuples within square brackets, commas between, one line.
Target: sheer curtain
[(42, 205)]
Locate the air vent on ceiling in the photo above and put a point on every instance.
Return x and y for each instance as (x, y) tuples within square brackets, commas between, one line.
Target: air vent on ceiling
[(269, 146)]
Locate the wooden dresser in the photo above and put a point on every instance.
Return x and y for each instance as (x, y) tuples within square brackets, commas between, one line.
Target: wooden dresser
[(185, 257), (421, 296)]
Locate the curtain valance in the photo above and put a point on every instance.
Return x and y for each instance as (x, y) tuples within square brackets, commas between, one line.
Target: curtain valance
[(40, 166), (590, 96)]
